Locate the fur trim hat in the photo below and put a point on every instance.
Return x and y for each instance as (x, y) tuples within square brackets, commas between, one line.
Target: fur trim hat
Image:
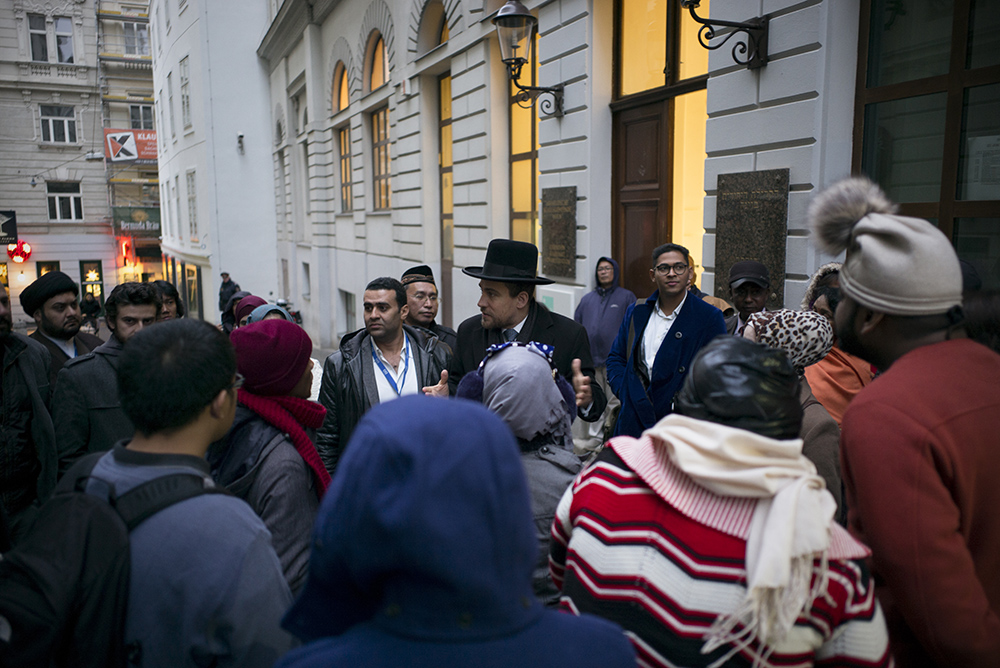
[(886, 252), (49, 285)]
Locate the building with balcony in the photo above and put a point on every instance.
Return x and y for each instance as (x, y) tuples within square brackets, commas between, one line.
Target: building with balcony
[(52, 176)]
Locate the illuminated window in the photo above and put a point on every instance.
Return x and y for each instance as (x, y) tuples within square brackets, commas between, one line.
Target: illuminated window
[(341, 93), (346, 187), (445, 33), (93, 278), (45, 267), (377, 65), (524, 158), (381, 162)]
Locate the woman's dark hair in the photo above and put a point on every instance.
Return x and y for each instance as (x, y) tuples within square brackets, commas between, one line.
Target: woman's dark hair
[(131, 294), (832, 295), (389, 283), (167, 289), (169, 373)]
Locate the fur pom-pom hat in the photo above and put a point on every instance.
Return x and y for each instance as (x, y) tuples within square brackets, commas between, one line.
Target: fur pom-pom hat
[(895, 264)]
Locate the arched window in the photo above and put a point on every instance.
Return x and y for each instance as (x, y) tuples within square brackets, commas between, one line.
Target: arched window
[(377, 65), (340, 90), (433, 29)]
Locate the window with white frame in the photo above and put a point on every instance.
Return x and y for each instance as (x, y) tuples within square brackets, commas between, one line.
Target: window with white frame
[(58, 32), (136, 38), (170, 103), (38, 36), (192, 205), (65, 202), (141, 116), (58, 124), (185, 74)]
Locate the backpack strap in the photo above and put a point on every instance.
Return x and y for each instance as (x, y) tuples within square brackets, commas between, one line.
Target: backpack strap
[(149, 498), (76, 478)]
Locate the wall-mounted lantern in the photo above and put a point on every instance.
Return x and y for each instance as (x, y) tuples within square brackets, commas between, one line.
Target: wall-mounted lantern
[(516, 28)]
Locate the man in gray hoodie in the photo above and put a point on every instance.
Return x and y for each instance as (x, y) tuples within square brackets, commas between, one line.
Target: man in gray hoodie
[(601, 312)]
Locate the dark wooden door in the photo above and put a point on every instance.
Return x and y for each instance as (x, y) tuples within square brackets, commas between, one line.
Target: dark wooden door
[(641, 195)]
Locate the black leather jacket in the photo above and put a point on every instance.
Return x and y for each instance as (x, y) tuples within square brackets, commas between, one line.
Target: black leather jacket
[(348, 388)]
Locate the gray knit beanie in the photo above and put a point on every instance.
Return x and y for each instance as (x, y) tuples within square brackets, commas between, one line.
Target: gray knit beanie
[(895, 264)]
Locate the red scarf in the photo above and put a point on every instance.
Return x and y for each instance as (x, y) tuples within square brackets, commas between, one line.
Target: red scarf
[(290, 415)]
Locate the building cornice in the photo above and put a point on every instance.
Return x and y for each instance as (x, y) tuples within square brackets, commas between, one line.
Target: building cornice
[(287, 28)]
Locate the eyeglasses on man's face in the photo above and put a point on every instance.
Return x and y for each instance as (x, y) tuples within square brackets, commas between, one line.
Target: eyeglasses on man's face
[(665, 269)]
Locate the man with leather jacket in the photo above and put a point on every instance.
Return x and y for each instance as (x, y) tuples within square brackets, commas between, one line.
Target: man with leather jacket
[(383, 361)]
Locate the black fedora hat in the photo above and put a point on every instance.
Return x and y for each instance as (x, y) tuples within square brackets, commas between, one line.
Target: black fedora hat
[(509, 262)]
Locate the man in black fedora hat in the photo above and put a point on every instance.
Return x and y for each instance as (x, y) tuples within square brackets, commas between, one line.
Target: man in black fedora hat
[(508, 311)]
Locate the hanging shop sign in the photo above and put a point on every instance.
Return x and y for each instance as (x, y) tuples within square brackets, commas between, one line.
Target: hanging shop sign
[(136, 221), (130, 145)]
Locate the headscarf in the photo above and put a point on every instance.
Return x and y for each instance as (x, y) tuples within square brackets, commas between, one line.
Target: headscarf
[(260, 312), (805, 336), (519, 385)]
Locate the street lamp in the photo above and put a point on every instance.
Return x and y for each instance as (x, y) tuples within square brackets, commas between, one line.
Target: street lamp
[(515, 29), (752, 52)]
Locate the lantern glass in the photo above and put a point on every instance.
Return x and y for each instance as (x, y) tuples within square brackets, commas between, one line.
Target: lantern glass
[(515, 27)]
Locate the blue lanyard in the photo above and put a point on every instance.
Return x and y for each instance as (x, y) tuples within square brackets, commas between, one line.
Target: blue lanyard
[(406, 366)]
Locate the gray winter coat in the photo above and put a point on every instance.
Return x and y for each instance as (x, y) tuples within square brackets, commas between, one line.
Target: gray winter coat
[(86, 408)]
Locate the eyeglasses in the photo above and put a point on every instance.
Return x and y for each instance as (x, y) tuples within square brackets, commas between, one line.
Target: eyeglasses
[(665, 269), (237, 382)]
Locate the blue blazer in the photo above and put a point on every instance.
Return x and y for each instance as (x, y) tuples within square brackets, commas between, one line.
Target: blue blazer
[(698, 323)]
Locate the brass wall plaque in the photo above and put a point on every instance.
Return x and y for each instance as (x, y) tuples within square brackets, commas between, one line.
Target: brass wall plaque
[(559, 232)]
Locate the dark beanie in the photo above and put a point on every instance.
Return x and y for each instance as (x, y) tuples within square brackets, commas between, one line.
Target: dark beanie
[(272, 356), (247, 305), (51, 284), (742, 384)]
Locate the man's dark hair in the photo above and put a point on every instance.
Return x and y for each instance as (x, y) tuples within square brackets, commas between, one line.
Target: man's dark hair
[(167, 374), (832, 295), (167, 289), (666, 248), (131, 294), (389, 283), (514, 289)]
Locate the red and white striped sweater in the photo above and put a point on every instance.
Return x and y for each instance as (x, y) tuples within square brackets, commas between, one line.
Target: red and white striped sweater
[(666, 564)]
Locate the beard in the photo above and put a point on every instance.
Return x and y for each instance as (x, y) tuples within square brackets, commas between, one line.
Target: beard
[(70, 327), (846, 337)]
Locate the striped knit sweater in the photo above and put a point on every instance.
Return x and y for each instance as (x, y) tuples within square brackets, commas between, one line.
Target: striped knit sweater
[(665, 564)]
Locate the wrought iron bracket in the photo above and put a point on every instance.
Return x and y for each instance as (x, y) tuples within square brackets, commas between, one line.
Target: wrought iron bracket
[(527, 95), (751, 52)]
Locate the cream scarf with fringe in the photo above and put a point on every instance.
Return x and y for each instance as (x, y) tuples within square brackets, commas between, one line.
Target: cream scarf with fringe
[(790, 526)]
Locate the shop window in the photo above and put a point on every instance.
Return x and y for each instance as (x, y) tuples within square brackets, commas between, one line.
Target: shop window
[(92, 274), (45, 267)]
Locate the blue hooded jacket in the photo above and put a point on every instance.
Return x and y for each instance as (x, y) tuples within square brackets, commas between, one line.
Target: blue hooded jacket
[(423, 552), (601, 312)]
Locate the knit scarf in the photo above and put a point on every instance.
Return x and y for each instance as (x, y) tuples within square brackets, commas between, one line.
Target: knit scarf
[(790, 526), (290, 415)]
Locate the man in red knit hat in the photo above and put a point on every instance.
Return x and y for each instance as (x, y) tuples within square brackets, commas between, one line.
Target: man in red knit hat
[(268, 458)]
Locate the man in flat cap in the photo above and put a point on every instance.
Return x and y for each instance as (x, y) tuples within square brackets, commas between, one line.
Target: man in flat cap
[(509, 311), (422, 298), (749, 283), (919, 445), (53, 301), (28, 458)]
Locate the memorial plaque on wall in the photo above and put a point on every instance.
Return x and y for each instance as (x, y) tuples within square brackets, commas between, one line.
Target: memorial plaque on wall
[(751, 223), (559, 232)]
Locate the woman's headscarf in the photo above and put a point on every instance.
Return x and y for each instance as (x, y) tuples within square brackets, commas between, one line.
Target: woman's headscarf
[(261, 311), (805, 336)]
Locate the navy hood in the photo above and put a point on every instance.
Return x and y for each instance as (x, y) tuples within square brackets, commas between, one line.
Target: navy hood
[(426, 530), (597, 281)]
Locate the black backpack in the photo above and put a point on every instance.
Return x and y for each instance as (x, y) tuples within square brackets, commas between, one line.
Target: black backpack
[(64, 586)]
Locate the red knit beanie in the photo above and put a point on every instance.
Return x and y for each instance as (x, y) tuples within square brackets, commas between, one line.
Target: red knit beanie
[(272, 356), (247, 304)]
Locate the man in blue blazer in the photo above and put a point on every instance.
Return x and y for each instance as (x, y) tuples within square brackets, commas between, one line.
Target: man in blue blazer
[(657, 341)]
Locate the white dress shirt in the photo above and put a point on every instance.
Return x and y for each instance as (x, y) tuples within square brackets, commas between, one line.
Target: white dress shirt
[(409, 381), (656, 329)]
